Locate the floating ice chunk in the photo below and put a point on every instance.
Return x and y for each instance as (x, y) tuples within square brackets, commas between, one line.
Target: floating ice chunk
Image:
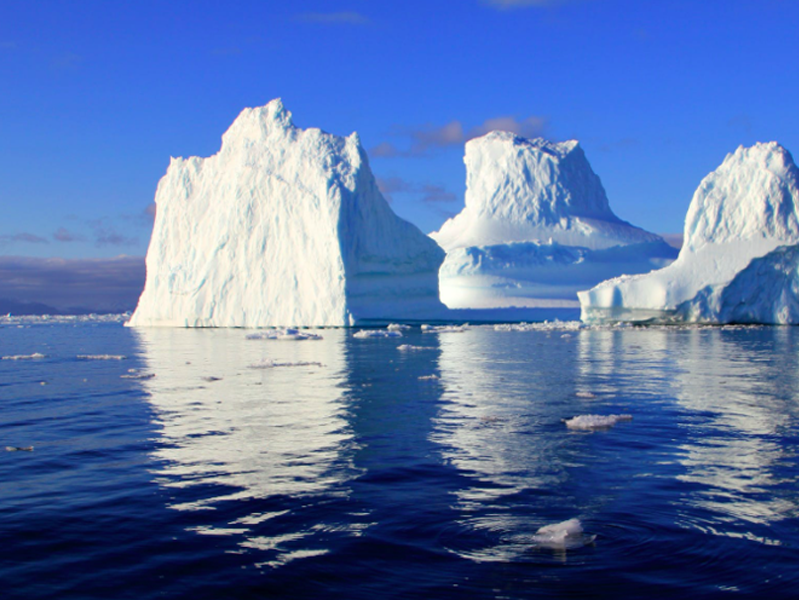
[(397, 327), (19, 448), (431, 377), (411, 348), (376, 333), (101, 356), (137, 374), (585, 394), (289, 334), (567, 534), (595, 421), (34, 356), (444, 328), (271, 364)]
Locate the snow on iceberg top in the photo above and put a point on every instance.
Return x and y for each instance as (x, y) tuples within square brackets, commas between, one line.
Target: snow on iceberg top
[(751, 196), (533, 190)]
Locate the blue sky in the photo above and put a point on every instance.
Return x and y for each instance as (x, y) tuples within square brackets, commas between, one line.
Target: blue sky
[(97, 95)]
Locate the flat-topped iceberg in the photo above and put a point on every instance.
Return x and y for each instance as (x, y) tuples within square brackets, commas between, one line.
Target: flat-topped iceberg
[(740, 259), (282, 227), (536, 228)]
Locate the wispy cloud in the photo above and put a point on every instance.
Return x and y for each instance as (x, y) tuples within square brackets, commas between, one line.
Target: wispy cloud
[(333, 18), (425, 139), (433, 194), (62, 234), (428, 193), (105, 234), (67, 61), (24, 237)]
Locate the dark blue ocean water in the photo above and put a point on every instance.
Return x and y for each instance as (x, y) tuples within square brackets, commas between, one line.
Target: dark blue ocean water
[(340, 468)]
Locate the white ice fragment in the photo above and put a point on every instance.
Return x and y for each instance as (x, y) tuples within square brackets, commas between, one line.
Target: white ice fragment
[(376, 333), (34, 356), (595, 421), (271, 364), (444, 328), (430, 377), (288, 334), (582, 394), (137, 374), (411, 348), (101, 356), (565, 535), (397, 327)]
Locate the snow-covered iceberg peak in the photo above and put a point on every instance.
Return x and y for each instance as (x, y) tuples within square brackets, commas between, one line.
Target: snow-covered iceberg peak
[(282, 227), (536, 228), (751, 196), (520, 190), (740, 232)]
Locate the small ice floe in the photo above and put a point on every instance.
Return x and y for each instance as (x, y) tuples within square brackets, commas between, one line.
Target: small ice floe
[(137, 374), (19, 448), (565, 535), (547, 326), (377, 333), (34, 356), (289, 334), (585, 394), (101, 357), (430, 377), (589, 422), (272, 364), (397, 327), (445, 328), (412, 348)]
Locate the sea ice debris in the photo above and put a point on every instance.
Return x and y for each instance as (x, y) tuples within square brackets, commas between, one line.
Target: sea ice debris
[(567, 534), (595, 421)]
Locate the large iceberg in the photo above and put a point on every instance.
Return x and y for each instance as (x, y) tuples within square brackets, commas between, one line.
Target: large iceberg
[(282, 227), (740, 259), (536, 228)]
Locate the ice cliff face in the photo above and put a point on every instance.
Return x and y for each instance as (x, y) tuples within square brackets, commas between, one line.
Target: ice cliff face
[(738, 262), (283, 226), (536, 228)]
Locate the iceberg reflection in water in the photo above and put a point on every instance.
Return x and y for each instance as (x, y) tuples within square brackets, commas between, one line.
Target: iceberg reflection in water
[(441, 460), (234, 433)]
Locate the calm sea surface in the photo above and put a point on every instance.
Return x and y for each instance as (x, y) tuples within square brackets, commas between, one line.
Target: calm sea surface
[(203, 464)]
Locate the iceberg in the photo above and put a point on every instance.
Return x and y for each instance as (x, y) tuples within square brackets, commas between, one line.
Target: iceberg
[(283, 227), (536, 228), (740, 258)]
